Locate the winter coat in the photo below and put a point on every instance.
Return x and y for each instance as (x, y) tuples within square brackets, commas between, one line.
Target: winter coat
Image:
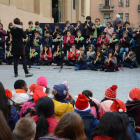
[(59, 57), (47, 41), (70, 28), (125, 43), (118, 33), (39, 30), (133, 42), (12, 120), (90, 122), (57, 31), (115, 22), (130, 32), (70, 41), (44, 32), (105, 40), (133, 108), (132, 58), (52, 123), (112, 62), (82, 60), (17, 41), (102, 137), (74, 55), (62, 108), (80, 43), (100, 60), (109, 33), (3, 34), (138, 40), (92, 41), (79, 29), (92, 56), (119, 56), (49, 55), (97, 31), (89, 28), (112, 43), (105, 52), (57, 42), (36, 43)]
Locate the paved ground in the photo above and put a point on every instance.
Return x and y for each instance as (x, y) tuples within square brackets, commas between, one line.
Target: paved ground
[(78, 81)]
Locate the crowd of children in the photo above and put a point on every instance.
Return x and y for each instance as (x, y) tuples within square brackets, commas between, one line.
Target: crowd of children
[(37, 116), (86, 46)]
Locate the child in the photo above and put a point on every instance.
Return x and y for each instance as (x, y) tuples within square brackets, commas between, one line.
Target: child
[(138, 47), (9, 56), (20, 131), (118, 54), (113, 41), (102, 39), (37, 43), (68, 42), (125, 42), (2, 57), (78, 28), (131, 61), (98, 62), (109, 30), (56, 30), (79, 40), (10, 26), (8, 41), (127, 29), (47, 40), (47, 29), (91, 55), (46, 56), (58, 57), (57, 41), (97, 28), (104, 49), (33, 55), (81, 60), (118, 30), (82, 107), (38, 29), (61, 106), (20, 93), (68, 28), (87, 27), (2, 35), (26, 42), (90, 40), (72, 56), (110, 62), (133, 40)]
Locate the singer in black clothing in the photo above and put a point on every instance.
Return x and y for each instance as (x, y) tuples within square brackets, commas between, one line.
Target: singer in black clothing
[(18, 47)]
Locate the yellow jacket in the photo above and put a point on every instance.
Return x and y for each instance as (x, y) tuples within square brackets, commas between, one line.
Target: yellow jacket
[(61, 109)]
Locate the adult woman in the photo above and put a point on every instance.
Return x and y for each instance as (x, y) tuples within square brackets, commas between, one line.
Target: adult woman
[(111, 127), (9, 112), (18, 47), (109, 30), (70, 126)]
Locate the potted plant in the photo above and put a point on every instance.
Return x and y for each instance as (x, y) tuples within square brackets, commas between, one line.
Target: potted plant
[(112, 7)]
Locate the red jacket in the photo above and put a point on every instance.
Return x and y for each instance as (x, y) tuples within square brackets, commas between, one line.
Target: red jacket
[(71, 40), (49, 56), (103, 41), (74, 56), (52, 123)]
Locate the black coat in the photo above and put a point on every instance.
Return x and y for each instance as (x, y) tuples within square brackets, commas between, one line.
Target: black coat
[(17, 41), (89, 28)]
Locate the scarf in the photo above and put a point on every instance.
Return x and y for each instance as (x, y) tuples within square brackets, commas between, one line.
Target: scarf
[(20, 91), (16, 26), (95, 31)]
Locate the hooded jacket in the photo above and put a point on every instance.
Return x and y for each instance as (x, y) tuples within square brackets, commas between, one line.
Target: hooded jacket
[(105, 40), (74, 55), (92, 55), (49, 56), (70, 41), (112, 62), (62, 108)]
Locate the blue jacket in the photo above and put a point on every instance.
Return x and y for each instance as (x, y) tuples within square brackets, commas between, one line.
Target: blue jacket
[(93, 42), (119, 56), (50, 41), (75, 31), (130, 33), (112, 44), (13, 118), (118, 34), (90, 122), (105, 52), (132, 42)]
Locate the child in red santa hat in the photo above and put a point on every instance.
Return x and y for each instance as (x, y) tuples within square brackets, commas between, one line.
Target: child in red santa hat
[(110, 95), (82, 107)]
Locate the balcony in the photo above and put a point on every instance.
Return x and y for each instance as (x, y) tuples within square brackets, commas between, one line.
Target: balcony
[(138, 8), (104, 8)]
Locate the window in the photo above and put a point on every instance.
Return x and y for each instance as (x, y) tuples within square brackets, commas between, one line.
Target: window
[(121, 15), (107, 2), (126, 17), (121, 3), (74, 4), (127, 3), (106, 18)]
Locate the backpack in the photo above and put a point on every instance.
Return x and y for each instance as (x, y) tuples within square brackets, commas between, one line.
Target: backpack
[(30, 112)]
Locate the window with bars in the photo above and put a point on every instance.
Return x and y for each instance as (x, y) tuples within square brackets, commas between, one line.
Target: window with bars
[(74, 4), (107, 2), (127, 3), (121, 3), (121, 15), (126, 17)]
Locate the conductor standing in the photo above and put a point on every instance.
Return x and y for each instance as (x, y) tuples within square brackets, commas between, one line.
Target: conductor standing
[(18, 47)]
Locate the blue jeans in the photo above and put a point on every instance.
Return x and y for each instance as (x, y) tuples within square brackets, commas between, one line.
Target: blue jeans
[(88, 63), (38, 51), (81, 66), (58, 62), (110, 68), (95, 66), (129, 64), (124, 49)]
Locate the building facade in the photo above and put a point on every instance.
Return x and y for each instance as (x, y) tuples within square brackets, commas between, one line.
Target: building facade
[(106, 10)]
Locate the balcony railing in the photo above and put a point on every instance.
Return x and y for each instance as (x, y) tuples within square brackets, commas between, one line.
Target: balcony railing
[(104, 8), (138, 8)]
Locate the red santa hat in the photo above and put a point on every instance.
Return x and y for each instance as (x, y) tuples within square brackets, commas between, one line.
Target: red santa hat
[(134, 94), (82, 103), (111, 92), (37, 94), (8, 93), (34, 87), (118, 106)]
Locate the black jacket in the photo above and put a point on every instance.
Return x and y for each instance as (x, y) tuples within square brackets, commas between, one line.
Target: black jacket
[(89, 28), (125, 43), (17, 41), (138, 40), (57, 31)]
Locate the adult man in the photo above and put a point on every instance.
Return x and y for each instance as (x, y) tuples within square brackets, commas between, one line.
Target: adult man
[(117, 20)]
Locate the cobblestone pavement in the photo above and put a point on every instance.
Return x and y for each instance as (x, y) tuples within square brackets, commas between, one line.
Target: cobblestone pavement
[(78, 81)]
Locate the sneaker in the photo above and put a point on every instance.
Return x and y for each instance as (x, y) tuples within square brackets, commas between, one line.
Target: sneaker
[(35, 64), (98, 69), (76, 69), (87, 68), (114, 70), (131, 67), (28, 75), (105, 70), (16, 75)]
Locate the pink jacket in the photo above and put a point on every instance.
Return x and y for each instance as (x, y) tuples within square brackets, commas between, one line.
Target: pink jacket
[(109, 33), (52, 123), (25, 106), (71, 40), (105, 107)]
